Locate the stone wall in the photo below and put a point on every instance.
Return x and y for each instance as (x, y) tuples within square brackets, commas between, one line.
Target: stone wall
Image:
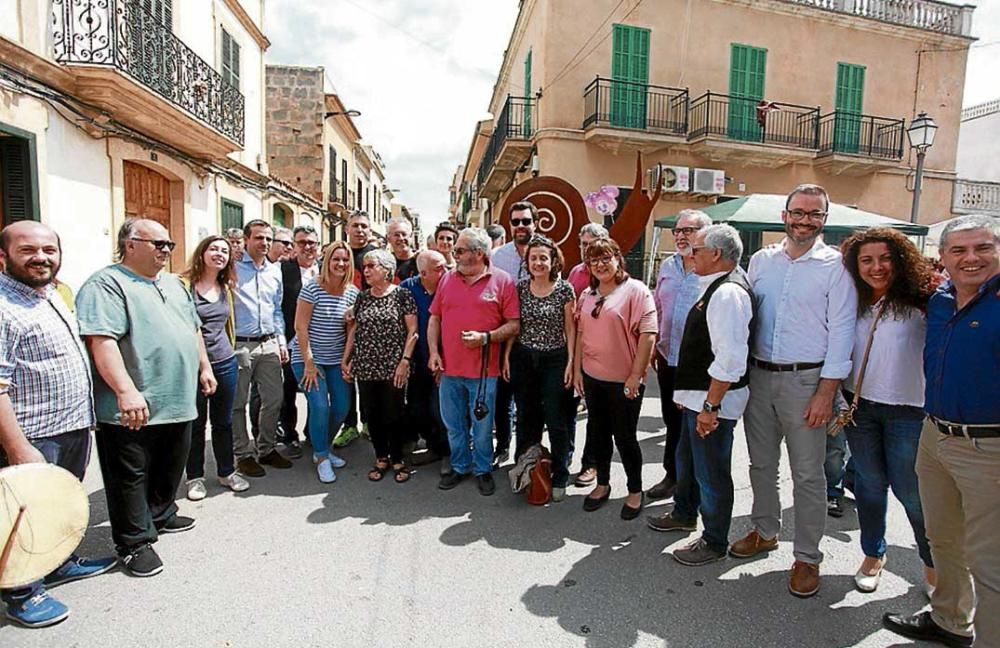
[(294, 123)]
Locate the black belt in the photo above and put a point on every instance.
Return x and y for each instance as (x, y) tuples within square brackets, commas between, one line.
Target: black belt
[(797, 366), (967, 431), (258, 338)]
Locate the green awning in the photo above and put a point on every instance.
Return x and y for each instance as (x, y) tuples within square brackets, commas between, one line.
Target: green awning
[(762, 213)]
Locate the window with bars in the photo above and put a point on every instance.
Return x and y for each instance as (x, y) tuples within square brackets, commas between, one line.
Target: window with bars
[(230, 60)]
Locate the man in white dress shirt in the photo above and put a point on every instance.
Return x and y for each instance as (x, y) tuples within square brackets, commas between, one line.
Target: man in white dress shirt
[(710, 384), (801, 351)]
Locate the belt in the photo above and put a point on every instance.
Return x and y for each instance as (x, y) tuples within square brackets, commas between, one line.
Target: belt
[(797, 366), (257, 338), (967, 431)]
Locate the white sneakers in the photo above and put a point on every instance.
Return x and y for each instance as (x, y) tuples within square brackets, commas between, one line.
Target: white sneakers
[(324, 469), (336, 461), (196, 489), (235, 482), (868, 583)]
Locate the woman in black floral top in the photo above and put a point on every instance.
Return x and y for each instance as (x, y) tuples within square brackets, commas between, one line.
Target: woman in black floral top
[(539, 364), (380, 342)]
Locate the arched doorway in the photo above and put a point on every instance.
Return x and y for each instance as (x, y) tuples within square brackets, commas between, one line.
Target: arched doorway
[(282, 216), (148, 195)]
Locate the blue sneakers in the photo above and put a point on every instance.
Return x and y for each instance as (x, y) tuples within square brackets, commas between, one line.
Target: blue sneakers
[(39, 611), (77, 568)]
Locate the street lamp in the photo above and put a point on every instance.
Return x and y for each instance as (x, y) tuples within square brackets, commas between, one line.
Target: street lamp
[(921, 135), (349, 113)]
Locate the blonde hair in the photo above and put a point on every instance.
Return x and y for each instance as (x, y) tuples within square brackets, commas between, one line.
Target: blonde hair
[(324, 268)]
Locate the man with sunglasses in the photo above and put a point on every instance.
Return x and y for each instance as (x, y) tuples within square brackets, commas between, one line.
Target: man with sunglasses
[(282, 247), (143, 334), (510, 259), (800, 352), (261, 349), (676, 292)]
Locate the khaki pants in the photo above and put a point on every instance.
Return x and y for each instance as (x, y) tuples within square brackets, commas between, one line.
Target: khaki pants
[(260, 363), (960, 493)]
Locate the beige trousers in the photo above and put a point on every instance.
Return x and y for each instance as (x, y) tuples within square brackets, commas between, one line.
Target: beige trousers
[(960, 493)]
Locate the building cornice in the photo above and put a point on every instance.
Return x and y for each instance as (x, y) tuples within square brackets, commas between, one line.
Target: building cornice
[(27, 62), (248, 24)]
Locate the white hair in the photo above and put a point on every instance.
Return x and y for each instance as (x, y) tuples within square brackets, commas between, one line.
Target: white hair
[(479, 238), (972, 222), (596, 230), (726, 239), (700, 218), (383, 258)]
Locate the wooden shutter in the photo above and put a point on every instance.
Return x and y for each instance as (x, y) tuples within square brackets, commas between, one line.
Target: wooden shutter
[(630, 67), (232, 215), (850, 97), (230, 60), (343, 182), (747, 71), (16, 182), (332, 191), (161, 10)]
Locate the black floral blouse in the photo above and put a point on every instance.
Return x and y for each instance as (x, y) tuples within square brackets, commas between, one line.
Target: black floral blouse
[(543, 318), (380, 333)]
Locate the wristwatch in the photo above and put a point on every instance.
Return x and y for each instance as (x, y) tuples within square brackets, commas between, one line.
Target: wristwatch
[(711, 409)]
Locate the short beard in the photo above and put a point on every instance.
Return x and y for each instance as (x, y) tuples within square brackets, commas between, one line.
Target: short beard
[(803, 241), (522, 239), (28, 280), (684, 251)]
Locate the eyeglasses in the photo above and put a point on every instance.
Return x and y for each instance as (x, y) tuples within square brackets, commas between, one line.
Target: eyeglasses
[(604, 260), (598, 306), (686, 231), (287, 244), (158, 244), (461, 250), (307, 243), (516, 222), (695, 248), (798, 214), (366, 266)]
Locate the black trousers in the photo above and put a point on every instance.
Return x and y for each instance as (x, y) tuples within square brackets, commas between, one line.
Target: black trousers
[(385, 406), (423, 412), (501, 413), (671, 415), (615, 419), (141, 470)]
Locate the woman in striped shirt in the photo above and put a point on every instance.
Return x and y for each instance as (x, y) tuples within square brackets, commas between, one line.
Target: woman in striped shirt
[(318, 350)]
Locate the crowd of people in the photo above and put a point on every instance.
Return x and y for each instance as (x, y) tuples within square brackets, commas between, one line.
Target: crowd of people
[(474, 341)]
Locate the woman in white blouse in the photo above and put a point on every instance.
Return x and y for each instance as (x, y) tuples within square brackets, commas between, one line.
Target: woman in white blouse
[(894, 283)]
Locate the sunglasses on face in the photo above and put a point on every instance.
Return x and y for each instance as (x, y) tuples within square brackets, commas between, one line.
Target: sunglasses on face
[(158, 244), (517, 222), (287, 244), (307, 243)]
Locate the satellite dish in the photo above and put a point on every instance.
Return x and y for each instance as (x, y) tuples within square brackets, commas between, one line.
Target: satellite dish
[(43, 515)]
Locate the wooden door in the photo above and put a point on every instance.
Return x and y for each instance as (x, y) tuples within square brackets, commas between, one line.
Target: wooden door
[(147, 195)]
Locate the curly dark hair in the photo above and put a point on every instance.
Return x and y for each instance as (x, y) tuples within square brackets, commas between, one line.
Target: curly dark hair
[(555, 254), (913, 274)]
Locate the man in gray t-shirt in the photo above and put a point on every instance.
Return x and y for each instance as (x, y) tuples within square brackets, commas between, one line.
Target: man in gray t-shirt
[(142, 332)]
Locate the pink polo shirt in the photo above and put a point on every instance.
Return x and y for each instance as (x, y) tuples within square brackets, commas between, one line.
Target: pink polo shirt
[(579, 278), (482, 306), (609, 342)]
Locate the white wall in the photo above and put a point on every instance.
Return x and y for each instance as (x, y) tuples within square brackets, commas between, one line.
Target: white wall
[(979, 148)]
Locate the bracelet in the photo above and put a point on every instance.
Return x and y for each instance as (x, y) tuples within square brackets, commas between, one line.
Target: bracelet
[(408, 359)]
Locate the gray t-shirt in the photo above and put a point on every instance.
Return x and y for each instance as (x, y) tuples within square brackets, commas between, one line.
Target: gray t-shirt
[(155, 324), (213, 316)]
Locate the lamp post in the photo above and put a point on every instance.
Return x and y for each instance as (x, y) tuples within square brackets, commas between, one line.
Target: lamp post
[(349, 113), (921, 135)]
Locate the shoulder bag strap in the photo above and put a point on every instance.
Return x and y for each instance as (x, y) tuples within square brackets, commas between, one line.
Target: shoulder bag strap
[(864, 358)]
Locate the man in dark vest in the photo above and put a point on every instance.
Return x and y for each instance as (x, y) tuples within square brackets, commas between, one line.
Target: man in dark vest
[(711, 386)]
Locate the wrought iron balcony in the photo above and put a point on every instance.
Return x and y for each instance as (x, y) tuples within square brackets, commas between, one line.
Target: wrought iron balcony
[(922, 14), (865, 135), (119, 34), (515, 123), (740, 119), (639, 106)]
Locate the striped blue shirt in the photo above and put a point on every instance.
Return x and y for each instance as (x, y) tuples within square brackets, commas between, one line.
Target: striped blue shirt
[(327, 329), (43, 366)]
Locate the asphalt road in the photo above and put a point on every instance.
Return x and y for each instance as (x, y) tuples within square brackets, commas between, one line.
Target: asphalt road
[(293, 562)]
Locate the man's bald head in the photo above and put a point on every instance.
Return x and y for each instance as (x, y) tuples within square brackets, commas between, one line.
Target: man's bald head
[(26, 228), (429, 258), (31, 253), (142, 228)]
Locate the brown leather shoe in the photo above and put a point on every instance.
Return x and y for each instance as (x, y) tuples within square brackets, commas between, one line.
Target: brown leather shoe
[(751, 545), (274, 460), (804, 579)]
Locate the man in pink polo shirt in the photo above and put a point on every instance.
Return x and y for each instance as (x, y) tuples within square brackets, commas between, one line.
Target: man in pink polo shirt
[(475, 306)]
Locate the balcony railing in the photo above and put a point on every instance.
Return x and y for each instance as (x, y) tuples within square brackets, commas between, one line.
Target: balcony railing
[(516, 121), (922, 14), (120, 34), (864, 135), (623, 104), (737, 118), (976, 197)]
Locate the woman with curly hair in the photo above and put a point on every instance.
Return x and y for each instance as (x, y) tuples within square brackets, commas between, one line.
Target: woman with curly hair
[(894, 283)]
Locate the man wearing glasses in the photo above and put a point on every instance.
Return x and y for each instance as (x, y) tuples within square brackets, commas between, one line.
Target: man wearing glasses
[(800, 351), (282, 248), (676, 292), (510, 259), (143, 333), (261, 349)]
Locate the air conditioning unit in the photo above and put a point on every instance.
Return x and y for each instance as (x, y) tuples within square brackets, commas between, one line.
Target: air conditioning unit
[(709, 181), (673, 179)]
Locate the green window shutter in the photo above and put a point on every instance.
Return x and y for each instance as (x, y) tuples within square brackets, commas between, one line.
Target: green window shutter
[(16, 186), (232, 214), (528, 94), (343, 182), (849, 104), (747, 70), (230, 60), (332, 191), (278, 217), (629, 75)]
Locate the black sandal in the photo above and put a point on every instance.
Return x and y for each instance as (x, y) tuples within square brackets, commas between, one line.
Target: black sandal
[(378, 470), (402, 475)]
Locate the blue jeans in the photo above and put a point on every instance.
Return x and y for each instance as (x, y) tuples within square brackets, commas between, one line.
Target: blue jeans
[(458, 399), (328, 404), (70, 450), (704, 478), (218, 408), (884, 443)]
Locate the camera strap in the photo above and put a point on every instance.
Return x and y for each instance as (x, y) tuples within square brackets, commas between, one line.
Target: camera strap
[(484, 368)]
